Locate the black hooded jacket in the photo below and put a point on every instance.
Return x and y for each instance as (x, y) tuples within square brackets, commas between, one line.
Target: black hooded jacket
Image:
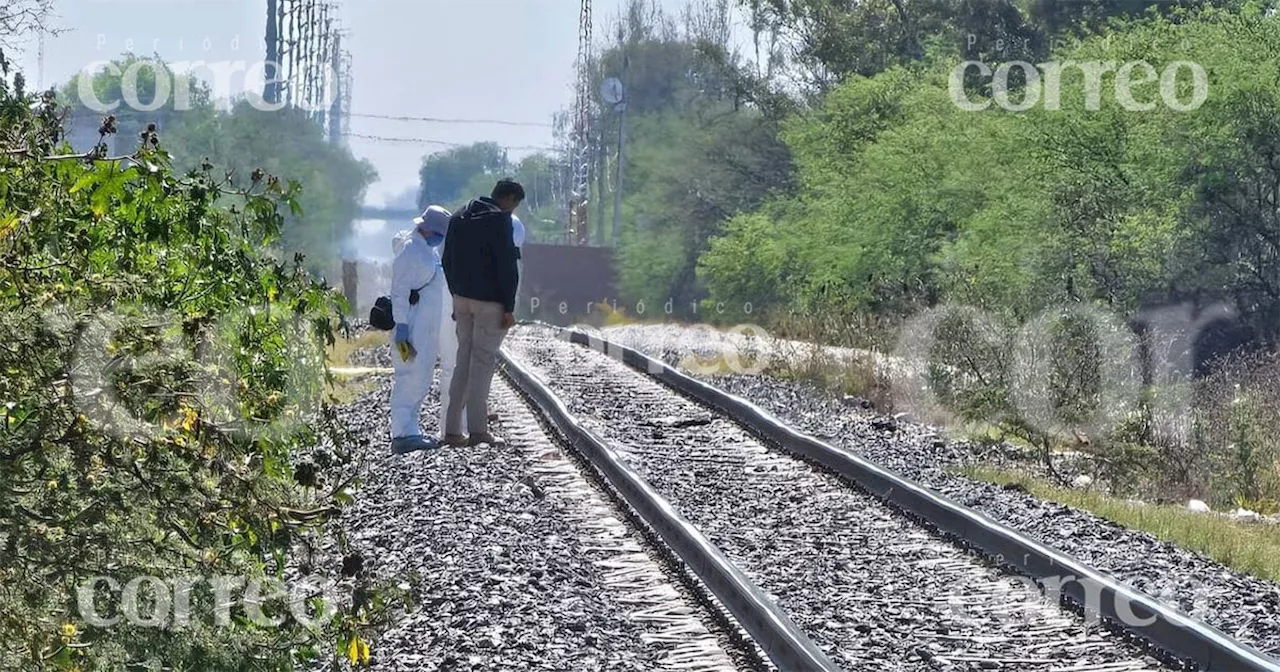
[(480, 256)]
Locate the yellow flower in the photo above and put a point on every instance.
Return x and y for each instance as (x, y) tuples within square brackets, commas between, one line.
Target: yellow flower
[(353, 651), (189, 419), (68, 632), (357, 651), (52, 485)]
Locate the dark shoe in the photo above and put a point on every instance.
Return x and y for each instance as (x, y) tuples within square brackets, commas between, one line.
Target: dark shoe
[(486, 437), (454, 440), (411, 444)]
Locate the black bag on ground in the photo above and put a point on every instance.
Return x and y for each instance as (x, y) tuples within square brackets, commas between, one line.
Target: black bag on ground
[(380, 316)]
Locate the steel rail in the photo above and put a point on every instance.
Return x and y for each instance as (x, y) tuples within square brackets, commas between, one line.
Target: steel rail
[(768, 625), (1142, 615)]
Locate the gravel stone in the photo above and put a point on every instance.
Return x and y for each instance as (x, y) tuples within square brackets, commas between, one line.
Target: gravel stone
[(521, 561), (1245, 607), (870, 587)]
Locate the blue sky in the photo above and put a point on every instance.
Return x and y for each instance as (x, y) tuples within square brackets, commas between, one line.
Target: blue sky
[(410, 58)]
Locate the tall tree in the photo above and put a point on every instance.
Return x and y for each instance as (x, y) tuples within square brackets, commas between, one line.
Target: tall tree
[(703, 145), (445, 177), (906, 200), (453, 177), (19, 18), (193, 130)]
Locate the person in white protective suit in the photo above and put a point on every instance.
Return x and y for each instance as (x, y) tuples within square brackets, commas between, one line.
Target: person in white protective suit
[(449, 335), (418, 291)]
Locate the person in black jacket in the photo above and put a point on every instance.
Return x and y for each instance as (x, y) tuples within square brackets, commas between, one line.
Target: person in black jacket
[(480, 267)]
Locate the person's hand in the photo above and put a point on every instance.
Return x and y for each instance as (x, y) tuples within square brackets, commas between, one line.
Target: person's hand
[(508, 320), (406, 349)]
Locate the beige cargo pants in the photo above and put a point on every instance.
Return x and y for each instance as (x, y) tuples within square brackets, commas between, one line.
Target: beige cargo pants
[(480, 334)]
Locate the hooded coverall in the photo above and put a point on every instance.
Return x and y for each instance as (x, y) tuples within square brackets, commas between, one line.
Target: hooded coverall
[(449, 338), (416, 266)]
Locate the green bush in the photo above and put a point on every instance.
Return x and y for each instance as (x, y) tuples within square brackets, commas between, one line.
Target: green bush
[(1237, 430), (131, 301), (1069, 374), (907, 202), (282, 142)]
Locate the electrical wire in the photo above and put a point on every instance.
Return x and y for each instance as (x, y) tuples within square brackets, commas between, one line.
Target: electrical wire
[(434, 120), (429, 141)]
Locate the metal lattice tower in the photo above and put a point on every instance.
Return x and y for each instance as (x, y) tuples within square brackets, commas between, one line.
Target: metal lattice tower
[(580, 140), (305, 55)]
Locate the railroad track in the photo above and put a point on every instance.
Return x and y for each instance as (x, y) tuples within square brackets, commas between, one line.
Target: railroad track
[(825, 560), (517, 560)]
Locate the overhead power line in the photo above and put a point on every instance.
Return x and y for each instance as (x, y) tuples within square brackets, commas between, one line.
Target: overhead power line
[(434, 120), (444, 143)]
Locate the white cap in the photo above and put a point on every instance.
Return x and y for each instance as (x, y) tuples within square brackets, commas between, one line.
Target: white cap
[(517, 231)]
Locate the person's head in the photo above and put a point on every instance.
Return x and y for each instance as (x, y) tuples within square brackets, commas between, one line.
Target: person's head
[(433, 224), (508, 194)]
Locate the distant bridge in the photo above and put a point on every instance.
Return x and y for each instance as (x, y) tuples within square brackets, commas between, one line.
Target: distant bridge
[(388, 214)]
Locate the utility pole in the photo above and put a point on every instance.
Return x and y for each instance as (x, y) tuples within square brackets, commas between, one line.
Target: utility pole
[(614, 92), (622, 164), (40, 64), (620, 97), (271, 92), (601, 156), (335, 110)]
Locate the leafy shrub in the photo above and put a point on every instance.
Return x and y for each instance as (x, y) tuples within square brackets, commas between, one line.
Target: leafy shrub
[(834, 351), (1237, 425), (1065, 374), (163, 386), (967, 366)]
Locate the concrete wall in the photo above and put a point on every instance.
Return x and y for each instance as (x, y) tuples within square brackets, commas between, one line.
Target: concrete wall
[(578, 277)]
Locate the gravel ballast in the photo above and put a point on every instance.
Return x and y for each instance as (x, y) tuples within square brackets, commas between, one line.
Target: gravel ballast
[(523, 562), (1242, 606), (874, 590)]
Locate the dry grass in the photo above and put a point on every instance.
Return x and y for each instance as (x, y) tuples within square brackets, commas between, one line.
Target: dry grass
[(846, 375), (614, 318), (347, 388), (720, 365), (1251, 548), (1227, 451), (339, 354)]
